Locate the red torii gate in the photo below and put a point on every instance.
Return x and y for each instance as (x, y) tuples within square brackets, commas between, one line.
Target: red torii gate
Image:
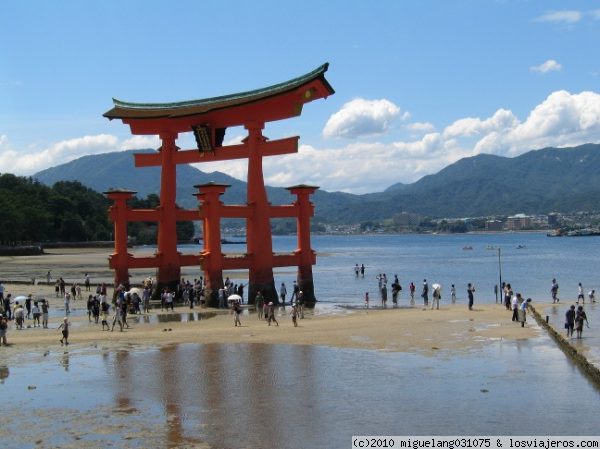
[(208, 119)]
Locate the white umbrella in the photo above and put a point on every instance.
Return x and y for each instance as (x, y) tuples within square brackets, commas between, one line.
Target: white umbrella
[(436, 286), (137, 291), (234, 298), (20, 298)]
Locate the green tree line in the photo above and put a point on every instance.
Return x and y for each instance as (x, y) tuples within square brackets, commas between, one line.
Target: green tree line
[(68, 211)]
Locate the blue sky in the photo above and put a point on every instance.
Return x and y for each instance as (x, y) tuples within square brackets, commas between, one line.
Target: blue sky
[(419, 84)]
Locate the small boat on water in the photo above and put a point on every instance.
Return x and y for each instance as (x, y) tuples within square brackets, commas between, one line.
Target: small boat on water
[(468, 247), (521, 247)]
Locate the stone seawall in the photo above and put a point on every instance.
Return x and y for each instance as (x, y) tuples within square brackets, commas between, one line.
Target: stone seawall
[(570, 351)]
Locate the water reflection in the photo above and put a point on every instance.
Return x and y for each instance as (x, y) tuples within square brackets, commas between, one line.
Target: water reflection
[(4, 373), (274, 396), (253, 395), (171, 317)]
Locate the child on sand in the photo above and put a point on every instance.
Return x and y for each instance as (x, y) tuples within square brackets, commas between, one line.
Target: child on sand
[(3, 330), (367, 300), (65, 331), (294, 314)]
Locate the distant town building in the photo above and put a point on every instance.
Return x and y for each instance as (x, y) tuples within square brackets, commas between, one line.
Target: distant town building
[(553, 220), (494, 225), (518, 222), (407, 220)]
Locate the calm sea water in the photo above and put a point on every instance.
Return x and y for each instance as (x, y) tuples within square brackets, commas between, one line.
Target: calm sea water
[(528, 261)]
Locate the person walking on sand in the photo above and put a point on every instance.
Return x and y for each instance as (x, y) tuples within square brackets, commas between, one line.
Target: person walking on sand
[(65, 331), (523, 311), (28, 306), (282, 293), (471, 295), (437, 295), (570, 321), (294, 314), (67, 303), (580, 317), (453, 293), (3, 329), (36, 314), (45, 307), (411, 289), (87, 282), (237, 311), (19, 314), (259, 302), (592, 296), (580, 293), (425, 293), (554, 291), (384, 296), (271, 314), (515, 306), (104, 306), (367, 300)]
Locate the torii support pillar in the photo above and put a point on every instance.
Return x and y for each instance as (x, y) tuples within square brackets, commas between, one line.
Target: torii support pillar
[(258, 226), (212, 256), (118, 213), (169, 270), (306, 254)]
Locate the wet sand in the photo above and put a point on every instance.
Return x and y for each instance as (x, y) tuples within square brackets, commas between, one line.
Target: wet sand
[(453, 327)]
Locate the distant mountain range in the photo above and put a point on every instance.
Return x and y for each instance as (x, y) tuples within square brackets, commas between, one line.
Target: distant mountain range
[(540, 181)]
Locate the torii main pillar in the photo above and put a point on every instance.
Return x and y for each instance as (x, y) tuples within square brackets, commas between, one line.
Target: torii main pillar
[(258, 225)]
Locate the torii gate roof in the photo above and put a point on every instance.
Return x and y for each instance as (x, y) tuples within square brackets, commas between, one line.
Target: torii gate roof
[(280, 101)]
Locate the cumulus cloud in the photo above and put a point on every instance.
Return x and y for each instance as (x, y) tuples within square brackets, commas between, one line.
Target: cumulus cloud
[(563, 119), (141, 142), (361, 117), (568, 17), (420, 127), (549, 66)]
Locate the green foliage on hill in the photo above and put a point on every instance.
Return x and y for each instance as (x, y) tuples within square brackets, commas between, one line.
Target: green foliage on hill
[(68, 211)]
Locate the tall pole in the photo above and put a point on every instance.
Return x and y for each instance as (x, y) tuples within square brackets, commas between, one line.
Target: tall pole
[(500, 269)]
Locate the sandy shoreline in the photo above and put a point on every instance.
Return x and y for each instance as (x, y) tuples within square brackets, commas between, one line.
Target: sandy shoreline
[(451, 328)]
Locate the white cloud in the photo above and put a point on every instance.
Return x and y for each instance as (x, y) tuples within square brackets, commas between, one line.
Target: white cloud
[(562, 119), (141, 142), (467, 127), (560, 16), (361, 117), (595, 14), (549, 66), (420, 127), (29, 162)]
